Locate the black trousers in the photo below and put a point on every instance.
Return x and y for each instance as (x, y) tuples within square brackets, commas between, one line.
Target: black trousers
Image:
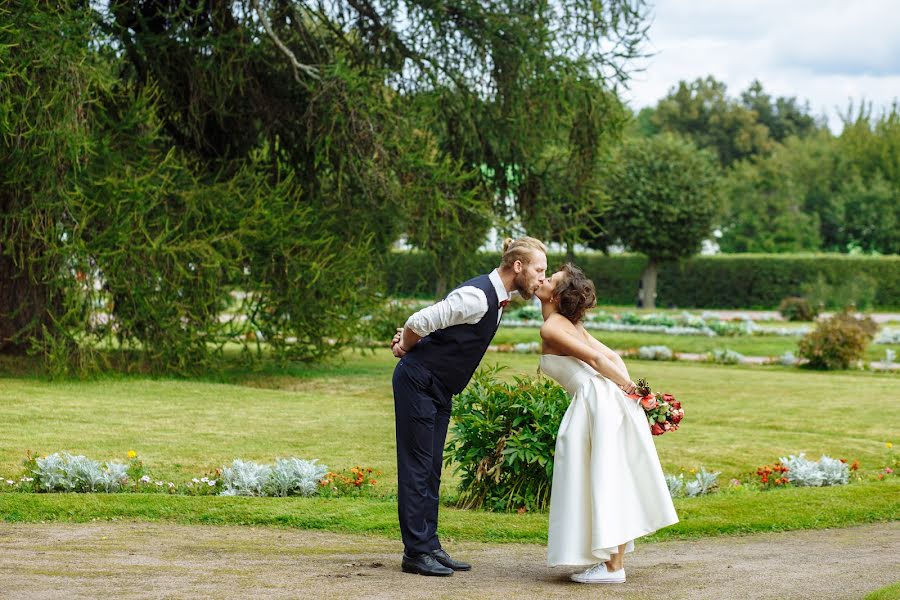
[(422, 413)]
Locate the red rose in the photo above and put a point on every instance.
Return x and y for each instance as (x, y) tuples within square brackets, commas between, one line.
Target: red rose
[(675, 404), (676, 416), (668, 397), (656, 429)]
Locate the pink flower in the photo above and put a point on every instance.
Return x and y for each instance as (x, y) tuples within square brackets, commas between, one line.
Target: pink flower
[(888, 470), (656, 429)]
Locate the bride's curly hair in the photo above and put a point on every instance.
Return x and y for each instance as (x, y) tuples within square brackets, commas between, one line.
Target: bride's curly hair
[(575, 293)]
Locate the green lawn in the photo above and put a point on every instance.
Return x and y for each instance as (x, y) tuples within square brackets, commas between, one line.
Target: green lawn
[(730, 512), (736, 419), (890, 592), (761, 345)]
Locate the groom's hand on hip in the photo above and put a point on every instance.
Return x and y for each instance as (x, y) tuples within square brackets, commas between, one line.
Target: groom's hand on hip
[(396, 348)]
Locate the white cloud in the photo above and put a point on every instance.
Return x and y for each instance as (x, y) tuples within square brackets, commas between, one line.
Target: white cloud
[(825, 52)]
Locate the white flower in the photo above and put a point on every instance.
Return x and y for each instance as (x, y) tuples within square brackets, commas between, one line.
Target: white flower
[(145, 479), (211, 482), (204, 479), (158, 483), (171, 485), (10, 481), (195, 480)]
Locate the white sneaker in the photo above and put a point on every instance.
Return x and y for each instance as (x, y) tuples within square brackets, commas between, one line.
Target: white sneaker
[(599, 574)]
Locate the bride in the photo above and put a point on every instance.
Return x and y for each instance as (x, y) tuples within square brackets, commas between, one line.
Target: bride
[(608, 486)]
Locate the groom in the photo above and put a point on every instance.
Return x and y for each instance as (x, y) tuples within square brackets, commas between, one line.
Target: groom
[(440, 347)]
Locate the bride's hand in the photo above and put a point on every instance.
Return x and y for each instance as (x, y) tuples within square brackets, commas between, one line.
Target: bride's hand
[(629, 388)]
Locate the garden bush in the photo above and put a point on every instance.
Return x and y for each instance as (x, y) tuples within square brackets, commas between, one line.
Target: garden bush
[(725, 356), (838, 342), (504, 436), (655, 353), (289, 476), (826, 471), (797, 308), (703, 483)]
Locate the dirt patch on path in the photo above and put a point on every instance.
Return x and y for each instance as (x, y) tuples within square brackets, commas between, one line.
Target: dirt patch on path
[(159, 560)]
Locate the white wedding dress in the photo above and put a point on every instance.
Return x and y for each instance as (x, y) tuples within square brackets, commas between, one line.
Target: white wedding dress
[(608, 486)]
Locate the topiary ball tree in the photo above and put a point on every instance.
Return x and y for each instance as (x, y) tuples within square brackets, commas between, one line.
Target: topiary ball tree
[(663, 198)]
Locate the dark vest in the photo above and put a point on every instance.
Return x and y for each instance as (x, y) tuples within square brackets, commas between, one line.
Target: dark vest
[(452, 354)]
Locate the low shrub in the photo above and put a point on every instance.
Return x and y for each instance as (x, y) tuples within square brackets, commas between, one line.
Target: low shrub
[(288, 477), (504, 436), (703, 483), (787, 359), (64, 472), (826, 471), (70, 473), (725, 356), (796, 308), (526, 312), (838, 342), (655, 353)]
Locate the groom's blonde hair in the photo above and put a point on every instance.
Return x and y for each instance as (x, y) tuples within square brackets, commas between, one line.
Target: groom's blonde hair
[(521, 249)]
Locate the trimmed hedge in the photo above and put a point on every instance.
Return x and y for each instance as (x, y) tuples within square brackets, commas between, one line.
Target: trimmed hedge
[(753, 281)]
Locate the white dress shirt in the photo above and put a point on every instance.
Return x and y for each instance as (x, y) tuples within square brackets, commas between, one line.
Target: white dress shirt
[(464, 305)]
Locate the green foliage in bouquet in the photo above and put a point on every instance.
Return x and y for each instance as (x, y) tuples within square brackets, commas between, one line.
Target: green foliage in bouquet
[(838, 342), (504, 435)]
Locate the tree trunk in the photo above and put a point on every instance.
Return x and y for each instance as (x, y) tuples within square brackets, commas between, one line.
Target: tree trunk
[(441, 287), (23, 307), (570, 252), (648, 285)]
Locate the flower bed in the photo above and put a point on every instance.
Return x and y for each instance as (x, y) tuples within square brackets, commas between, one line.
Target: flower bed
[(684, 324), (68, 473)]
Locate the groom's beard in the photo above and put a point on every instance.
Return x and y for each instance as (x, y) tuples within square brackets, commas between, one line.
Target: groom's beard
[(523, 289)]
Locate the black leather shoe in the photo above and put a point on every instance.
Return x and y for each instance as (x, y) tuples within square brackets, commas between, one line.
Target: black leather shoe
[(424, 564), (444, 558)]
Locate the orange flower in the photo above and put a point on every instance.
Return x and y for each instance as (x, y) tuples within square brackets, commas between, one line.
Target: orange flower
[(855, 465), (372, 481)]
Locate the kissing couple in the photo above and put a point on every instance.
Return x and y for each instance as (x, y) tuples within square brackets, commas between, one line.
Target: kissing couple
[(608, 487)]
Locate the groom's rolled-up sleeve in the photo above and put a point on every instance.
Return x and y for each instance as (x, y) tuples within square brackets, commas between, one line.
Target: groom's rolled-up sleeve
[(465, 305)]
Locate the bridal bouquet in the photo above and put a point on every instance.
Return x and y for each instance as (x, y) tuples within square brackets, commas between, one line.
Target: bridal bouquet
[(664, 412)]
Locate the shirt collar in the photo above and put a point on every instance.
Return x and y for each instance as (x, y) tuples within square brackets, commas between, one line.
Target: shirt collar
[(502, 294)]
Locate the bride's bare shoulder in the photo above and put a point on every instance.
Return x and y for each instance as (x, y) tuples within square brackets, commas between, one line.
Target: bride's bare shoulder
[(556, 323)]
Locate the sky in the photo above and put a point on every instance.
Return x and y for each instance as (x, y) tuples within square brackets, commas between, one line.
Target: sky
[(826, 52)]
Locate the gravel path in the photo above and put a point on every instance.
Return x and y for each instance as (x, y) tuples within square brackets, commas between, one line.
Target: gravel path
[(160, 560)]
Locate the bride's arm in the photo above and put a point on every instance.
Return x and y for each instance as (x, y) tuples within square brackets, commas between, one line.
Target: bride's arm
[(563, 336), (607, 352)]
